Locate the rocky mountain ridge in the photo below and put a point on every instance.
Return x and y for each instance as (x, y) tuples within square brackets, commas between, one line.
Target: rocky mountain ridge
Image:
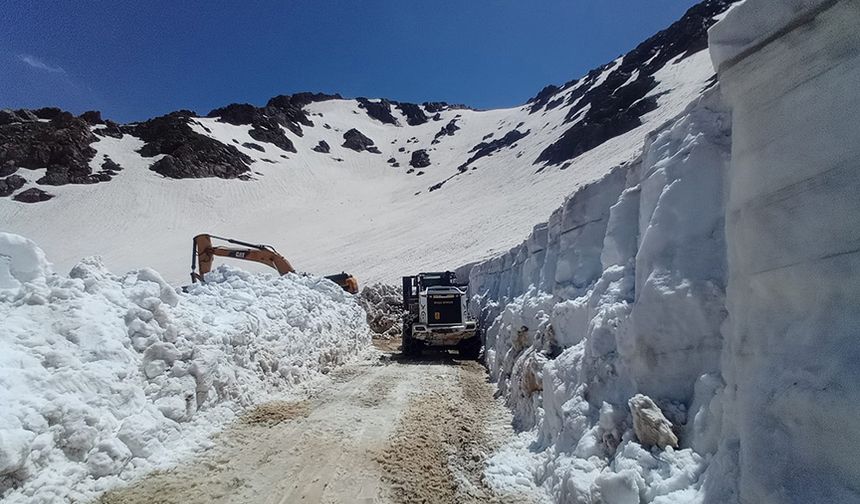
[(609, 101)]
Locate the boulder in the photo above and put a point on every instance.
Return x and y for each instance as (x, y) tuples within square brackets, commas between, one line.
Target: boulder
[(322, 147), (11, 184), (355, 140), (32, 195), (651, 427), (420, 159)]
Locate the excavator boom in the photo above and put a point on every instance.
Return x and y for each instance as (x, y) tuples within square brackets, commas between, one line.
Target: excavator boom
[(204, 254)]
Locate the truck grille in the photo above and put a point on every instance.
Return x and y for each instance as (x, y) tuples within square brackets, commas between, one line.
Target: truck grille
[(444, 309)]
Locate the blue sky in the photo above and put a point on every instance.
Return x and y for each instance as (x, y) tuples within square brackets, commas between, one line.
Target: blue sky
[(135, 60)]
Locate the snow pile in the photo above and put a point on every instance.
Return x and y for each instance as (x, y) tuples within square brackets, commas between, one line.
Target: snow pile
[(384, 306), (621, 293), (103, 377)]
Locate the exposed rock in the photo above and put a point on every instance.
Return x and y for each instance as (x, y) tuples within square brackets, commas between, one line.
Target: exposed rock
[(7, 169), (484, 149), (420, 159), (414, 114), (402, 149), (618, 103), (15, 116), (391, 160), (355, 140), (92, 117), (323, 147), (110, 129), (652, 428), (32, 195), (108, 165), (433, 107), (188, 154), (62, 145), (11, 184), (48, 113), (237, 114), (266, 127), (251, 145), (379, 110), (447, 130), (542, 98)]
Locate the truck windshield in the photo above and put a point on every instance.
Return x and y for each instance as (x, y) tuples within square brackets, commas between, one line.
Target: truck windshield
[(434, 281)]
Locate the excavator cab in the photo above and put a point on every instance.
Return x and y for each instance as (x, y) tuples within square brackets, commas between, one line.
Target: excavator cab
[(203, 255)]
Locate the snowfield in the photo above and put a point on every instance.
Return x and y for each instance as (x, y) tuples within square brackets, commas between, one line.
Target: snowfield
[(104, 377)]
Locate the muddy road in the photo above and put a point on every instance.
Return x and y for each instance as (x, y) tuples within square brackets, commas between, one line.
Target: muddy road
[(381, 431)]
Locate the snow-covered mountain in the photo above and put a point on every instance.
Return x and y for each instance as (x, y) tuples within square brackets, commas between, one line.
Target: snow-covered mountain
[(371, 186)]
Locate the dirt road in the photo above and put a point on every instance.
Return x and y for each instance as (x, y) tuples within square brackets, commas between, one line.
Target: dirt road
[(382, 431)]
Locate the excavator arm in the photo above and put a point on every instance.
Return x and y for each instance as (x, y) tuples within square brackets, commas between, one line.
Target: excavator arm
[(204, 254)]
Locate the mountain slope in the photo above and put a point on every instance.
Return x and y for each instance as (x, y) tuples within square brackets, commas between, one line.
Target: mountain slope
[(448, 184)]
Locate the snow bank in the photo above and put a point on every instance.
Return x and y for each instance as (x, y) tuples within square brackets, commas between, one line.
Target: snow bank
[(793, 224), (621, 292), (103, 377), (722, 287), (384, 306)]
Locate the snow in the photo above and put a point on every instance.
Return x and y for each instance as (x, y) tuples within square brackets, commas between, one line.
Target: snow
[(752, 23), (622, 292), (794, 228), (104, 377)]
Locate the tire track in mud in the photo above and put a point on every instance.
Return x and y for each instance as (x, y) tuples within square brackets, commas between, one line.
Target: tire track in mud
[(390, 431)]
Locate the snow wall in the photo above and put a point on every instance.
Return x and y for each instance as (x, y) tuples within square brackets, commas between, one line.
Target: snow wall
[(791, 70), (105, 377), (717, 275)]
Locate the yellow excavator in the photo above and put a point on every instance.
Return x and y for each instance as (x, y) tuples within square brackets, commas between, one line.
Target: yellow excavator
[(204, 254)]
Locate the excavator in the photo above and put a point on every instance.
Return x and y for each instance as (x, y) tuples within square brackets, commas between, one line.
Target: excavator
[(204, 253)]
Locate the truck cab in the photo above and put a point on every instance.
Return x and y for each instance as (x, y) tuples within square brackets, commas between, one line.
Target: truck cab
[(437, 315)]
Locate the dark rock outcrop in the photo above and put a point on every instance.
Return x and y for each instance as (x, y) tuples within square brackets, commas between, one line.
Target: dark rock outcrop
[(110, 167), (282, 110), (544, 96), (413, 112), (323, 147), (256, 147), (420, 159), (32, 195), (92, 117), (11, 184), (62, 145), (188, 154), (265, 127), (48, 113), (379, 110), (447, 130), (619, 102), (355, 140), (110, 129), (484, 149)]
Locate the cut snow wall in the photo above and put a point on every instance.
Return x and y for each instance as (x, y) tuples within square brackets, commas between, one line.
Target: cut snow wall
[(621, 292), (790, 70)]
